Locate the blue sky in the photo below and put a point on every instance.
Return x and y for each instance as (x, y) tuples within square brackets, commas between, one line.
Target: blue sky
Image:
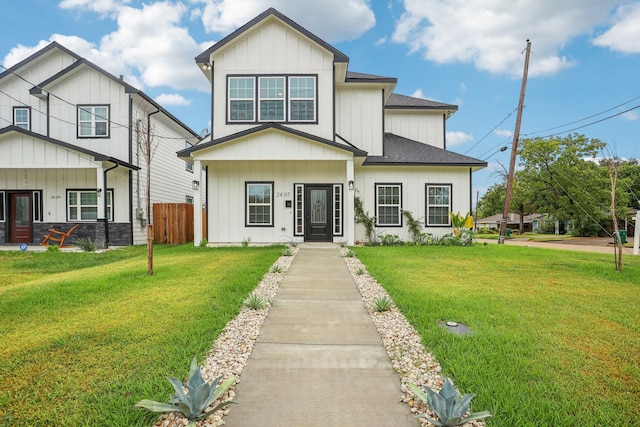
[(585, 62)]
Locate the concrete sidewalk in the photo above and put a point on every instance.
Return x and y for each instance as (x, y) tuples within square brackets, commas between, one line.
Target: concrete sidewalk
[(319, 360)]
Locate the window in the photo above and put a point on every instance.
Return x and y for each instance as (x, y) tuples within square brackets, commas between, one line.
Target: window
[(21, 117), (302, 99), (337, 210), (389, 205), (2, 218), (299, 209), (37, 206), (82, 205), (188, 165), (271, 102), (188, 199), (93, 121), (259, 196), (438, 204), (241, 99), (272, 99)]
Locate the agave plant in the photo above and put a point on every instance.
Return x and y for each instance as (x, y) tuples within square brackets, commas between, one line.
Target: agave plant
[(199, 396), (448, 405)]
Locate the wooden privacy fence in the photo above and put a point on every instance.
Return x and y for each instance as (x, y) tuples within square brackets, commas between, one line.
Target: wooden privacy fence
[(173, 223)]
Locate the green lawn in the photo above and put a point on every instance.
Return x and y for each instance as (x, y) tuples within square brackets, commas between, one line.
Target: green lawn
[(556, 337), (84, 336)]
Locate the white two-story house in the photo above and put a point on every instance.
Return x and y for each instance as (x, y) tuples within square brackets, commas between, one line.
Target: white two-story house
[(296, 137), (72, 151)]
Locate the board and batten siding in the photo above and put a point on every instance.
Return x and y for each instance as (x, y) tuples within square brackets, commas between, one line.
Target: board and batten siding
[(427, 128), (413, 180), (226, 222), (89, 87), (274, 49), (359, 117)]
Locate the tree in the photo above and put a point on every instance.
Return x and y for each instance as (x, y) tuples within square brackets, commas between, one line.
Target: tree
[(492, 202), (560, 176), (629, 174)]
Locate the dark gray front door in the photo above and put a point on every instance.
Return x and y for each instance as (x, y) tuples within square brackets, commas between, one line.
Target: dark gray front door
[(318, 209)]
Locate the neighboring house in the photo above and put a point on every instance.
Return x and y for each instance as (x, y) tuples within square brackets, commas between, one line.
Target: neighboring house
[(69, 153), (296, 136), (530, 223)]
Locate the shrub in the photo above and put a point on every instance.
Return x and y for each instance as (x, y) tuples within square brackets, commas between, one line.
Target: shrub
[(87, 244), (382, 304), (448, 405), (255, 302), (286, 252), (194, 403), (275, 268), (204, 243), (349, 254), (246, 241)]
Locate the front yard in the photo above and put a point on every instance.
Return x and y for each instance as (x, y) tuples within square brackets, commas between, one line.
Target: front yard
[(84, 336), (556, 334)]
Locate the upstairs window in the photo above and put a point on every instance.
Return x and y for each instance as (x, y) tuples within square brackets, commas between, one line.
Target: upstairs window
[(22, 117), (188, 165), (93, 121), (438, 199), (302, 99), (290, 99), (241, 99)]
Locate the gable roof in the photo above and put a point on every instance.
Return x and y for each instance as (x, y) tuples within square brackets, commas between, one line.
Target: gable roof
[(41, 53), (402, 102), (202, 146), (39, 88), (400, 151), (204, 57), (98, 157)]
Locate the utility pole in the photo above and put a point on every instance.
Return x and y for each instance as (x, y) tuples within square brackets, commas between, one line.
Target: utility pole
[(514, 148)]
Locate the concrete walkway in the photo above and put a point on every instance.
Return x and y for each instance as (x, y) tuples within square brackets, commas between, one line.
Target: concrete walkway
[(319, 360)]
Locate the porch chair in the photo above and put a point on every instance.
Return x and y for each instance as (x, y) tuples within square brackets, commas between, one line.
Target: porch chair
[(57, 236)]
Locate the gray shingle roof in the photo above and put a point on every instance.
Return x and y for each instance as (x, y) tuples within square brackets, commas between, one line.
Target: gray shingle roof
[(403, 101), (368, 78), (403, 151)]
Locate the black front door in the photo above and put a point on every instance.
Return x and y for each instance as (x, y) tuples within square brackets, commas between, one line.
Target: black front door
[(318, 209)]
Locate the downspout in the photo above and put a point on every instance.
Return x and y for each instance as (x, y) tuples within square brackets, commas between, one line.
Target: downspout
[(104, 192)]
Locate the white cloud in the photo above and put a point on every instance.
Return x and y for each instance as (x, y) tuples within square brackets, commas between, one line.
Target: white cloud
[(331, 20), (165, 99), (505, 133), (624, 35), (491, 34), (382, 40), (458, 138), (100, 6), (418, 94), (463, 87), (632, 116)]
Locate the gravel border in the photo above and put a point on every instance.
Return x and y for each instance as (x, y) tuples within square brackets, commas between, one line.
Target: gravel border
[(233, 347)]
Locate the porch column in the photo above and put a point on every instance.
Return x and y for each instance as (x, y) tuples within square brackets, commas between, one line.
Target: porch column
[(197, 203), (349, 212), (101, 192)]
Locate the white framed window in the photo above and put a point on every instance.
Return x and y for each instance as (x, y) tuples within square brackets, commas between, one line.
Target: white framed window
[(389, 205), (2, 205), (241, 99), (82, 205), (337, 209), (22, 117), (438, 201), (299, 209), (302, 99), (93, 121), (259, 204), (271, 99)]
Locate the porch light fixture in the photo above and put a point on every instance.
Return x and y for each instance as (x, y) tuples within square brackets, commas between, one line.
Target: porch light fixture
[(351, 184), (195, 185), (98, 192), (206, 66)]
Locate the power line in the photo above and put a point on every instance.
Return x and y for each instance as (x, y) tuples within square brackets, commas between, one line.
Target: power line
[(489, 133), (592, 123)]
